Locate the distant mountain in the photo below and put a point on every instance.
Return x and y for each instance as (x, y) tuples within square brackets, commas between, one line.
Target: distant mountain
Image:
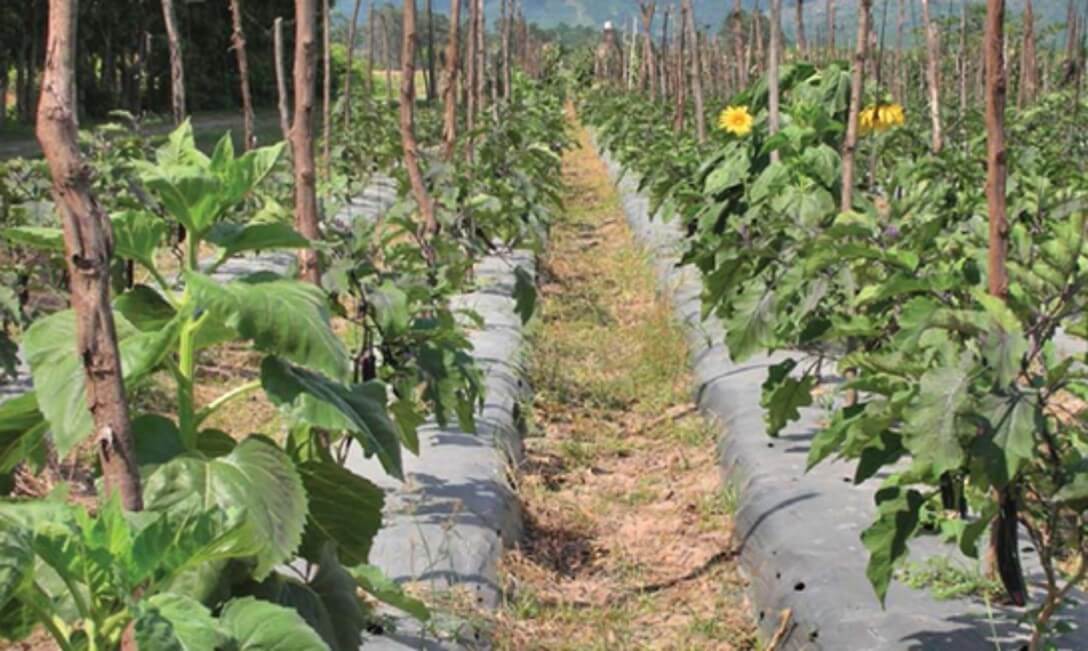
[(549, 13)]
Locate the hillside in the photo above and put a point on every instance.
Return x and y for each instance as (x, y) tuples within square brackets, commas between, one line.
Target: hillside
[(549, 13)]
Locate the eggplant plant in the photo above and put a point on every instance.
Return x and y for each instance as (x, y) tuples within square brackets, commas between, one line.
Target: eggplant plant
[(961, 397)]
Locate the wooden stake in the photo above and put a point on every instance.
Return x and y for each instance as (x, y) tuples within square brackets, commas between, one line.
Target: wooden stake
[(449, 90), (696, 74), (933, 78), (281, 80), (326, 89), (802, 42), (1004, 543), (177, 62), (88, 247), (857, 88), (302, 137), (772, 72), (352, 29), (238, 43), (407, 118)]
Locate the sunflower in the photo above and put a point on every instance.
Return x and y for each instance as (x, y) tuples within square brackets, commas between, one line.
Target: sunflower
[(867, 120), (880, 117), (892, 115), (736, 120)]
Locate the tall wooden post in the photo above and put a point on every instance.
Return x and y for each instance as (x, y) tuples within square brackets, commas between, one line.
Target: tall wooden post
[(88, 247), (281, 77), (449, 89), (407, 118), (696, 74), (680, 111), (177, 62), (326, 89), (352, 30), (772, 72), (302, 137), (831, 27), (1029, 67), (1004, 540), (432, 56), (802, 42), (933, 77), (238, 43), (857, 88)]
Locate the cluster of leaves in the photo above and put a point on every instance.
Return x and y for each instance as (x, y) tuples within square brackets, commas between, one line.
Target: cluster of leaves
[(220, 515), (961, 397), (240, 531), (33, 277), (400, 281)]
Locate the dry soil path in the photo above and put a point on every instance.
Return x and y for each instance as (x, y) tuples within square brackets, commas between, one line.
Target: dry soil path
[(629, 541)]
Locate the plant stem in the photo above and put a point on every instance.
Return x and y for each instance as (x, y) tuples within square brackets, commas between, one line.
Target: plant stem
[(233, 394), (192, 253), (167, 293), (56, 627), (186, 372), (52, 625)]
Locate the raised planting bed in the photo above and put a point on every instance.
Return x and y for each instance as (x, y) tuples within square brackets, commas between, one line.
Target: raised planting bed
[(446, 525)]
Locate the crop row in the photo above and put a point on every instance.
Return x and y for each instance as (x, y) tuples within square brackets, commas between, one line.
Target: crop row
[(243, 537), (970, 408)]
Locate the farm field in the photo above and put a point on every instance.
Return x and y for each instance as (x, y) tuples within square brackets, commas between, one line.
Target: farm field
[(405, 325)]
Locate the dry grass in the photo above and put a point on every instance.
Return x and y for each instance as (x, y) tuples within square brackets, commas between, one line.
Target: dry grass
[(629, 542)]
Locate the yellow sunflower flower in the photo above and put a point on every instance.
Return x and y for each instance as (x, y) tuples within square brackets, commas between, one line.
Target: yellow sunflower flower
[(736, 120), (892, 115), (867, 120), (880, 117)]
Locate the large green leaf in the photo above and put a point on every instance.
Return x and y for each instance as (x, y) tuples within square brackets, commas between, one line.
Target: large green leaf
[(255, 236), (243, 174), (191, 195), (344, 508), (749, 328), (886, 539), (175, 622), (16, 558), (180, 149), (22, 428), (256, 477), (301, 598), (360, 409), (183, 538), (58, 374), (36, 237), (338, 591), (378, 585), (391, 310), (823, 162), (524, 294), (1014, 425), (145, 308), (157, 439), (137, 234), (769, 182), (730, 173), (283, 317), (931, 431), (263, 626), (783, 396)]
